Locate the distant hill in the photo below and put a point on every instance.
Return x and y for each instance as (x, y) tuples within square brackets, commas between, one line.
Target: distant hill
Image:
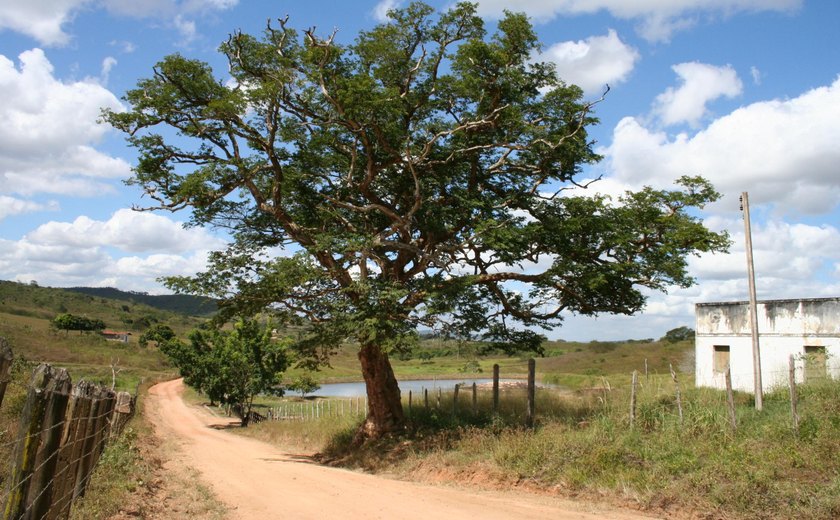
[(179, 303)]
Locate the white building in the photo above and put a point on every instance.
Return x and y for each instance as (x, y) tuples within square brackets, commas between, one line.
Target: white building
[(808, 329)]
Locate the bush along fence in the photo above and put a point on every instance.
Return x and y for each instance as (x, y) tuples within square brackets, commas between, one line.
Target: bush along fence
[(63, 431)]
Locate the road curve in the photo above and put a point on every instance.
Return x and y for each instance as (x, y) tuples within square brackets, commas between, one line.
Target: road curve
[(259, 481)]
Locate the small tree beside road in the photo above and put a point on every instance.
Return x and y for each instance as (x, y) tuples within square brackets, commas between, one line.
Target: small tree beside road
[(231, 367)]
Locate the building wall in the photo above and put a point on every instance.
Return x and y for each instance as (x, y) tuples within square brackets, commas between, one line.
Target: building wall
[(785, 328)]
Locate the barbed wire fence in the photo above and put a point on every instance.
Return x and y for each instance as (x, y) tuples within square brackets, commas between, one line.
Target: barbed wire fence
[(63, 431)]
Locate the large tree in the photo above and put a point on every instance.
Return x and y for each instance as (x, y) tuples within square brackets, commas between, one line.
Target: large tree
[(417, 176)]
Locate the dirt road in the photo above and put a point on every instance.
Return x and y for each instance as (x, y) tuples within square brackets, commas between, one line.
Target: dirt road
[(259, 481)]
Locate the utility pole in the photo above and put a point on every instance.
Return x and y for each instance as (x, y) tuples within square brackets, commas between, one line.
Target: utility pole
[(759, 391)]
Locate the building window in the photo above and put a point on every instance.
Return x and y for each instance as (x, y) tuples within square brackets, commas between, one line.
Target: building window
[(721, 358), (815, 362)]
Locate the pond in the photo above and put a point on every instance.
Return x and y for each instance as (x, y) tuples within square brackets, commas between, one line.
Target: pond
[(416, 386)]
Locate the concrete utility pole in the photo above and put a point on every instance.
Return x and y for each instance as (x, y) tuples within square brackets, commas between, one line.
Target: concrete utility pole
[(759, 391)]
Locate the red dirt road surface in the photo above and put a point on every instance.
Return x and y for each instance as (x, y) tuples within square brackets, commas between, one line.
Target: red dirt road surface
[(259, 481)]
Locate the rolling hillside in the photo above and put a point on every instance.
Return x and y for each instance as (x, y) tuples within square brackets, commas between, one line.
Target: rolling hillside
[(179, 303)]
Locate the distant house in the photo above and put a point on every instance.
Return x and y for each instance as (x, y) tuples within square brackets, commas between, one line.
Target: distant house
[(808, 329), (115, 335)]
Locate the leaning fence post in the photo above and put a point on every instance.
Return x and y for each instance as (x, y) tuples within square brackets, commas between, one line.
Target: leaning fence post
[(41, 485), (532, 392), (495, 389), (31, 426), (793, 399), (679, 397), (730, 400), (633, 382), (5, 366), (87, 460), (70, 454)]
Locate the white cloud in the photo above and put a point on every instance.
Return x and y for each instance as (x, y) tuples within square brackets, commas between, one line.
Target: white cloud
[(756, 75), (125, 46), (657, 19), (380, 11), (594, 62), (126, 230), (701, 83), (107, 64), (42, 20), (783, 152), (49, 127), (91, 252), (10, 206), (186, 28)]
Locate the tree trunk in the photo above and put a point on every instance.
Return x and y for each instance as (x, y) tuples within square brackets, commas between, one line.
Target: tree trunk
[(384, 413)]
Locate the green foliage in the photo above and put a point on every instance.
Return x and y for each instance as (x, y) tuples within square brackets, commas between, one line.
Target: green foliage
[(679, 334), (412, 170), (231, 367), (159, 333), (304, 384), (67, 322)]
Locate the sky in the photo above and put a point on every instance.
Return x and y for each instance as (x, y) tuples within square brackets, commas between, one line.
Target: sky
[(743, 92)]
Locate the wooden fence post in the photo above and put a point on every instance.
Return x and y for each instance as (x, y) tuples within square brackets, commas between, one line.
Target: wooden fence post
[(730, 400), (409, 402), (89, 448), (794, 416), (70, 454), (426, 398), (41, 484), (532, 392), (455, 399), (123, 410), (29, 439), (495, 389), (677, 387), (633, 382), (5, 366), (474, 398)]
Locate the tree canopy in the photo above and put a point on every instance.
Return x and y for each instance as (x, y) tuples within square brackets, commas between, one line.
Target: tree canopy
[(159, 333), (68, 322), (421, 175), (678, 334)]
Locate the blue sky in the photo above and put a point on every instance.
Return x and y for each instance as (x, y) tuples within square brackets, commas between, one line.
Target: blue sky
[(743, 92)]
